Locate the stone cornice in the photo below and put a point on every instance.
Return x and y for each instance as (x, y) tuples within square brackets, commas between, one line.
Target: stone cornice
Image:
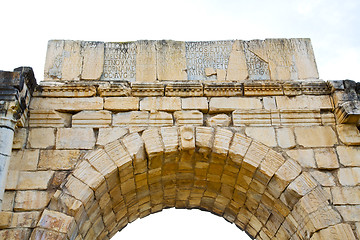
[(16, 89), (182, 89)]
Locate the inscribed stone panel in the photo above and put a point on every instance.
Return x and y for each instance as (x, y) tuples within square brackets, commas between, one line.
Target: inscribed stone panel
[(120, 61), (207, 54)]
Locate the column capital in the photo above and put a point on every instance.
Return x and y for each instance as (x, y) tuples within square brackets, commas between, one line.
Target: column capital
[(16, 89)]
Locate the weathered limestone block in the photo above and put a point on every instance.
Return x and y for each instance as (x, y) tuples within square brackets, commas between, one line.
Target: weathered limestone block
[(171, 60), (88, 175), (119, 61), (222, 141), (339, 231), (305, 157), (304, 102), (39, 180), (48, 118), (211, 55), (349, 156), (204, 139), (146, 61), (107, 135), (92, 119), (135, 147), (170, 138), (239, 147), (121, 103), (322, 218), (326, 179), (104, 165), (283, 176), (41, 138), (5, 219), (58, 159), (12, 179), (222, 104), (114, 89), (300, 117), (63, 60), (299, 187), (349, 176), (350, 213), (31, 200), (266, 135), (26, 159), (219, 120), (17, 233), (348, 112), (169, 104), (75, 138), (282, 59), (160, 119), (346, 195), (237, 68), (195, 103), (349, 134), (92, 60), (79, 190), (285, 137), (192, 117), (133, 118), (154, 147), (258, 117), (57, 221), (25, 219), (20, 136), (326, 158), (187, 137), (272, 162), (316, 136), (67, 104)]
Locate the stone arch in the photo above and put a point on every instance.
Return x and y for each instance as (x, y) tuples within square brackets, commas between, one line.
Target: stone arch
[(221, 171)]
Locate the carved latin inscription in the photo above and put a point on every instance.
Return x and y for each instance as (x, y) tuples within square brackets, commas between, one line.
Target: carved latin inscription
[(120, 61), (209, 54)]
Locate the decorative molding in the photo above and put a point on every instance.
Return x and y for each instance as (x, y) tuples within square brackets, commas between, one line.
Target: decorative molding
[(348, 112), (147, 89), (184, 89), (223, 89)]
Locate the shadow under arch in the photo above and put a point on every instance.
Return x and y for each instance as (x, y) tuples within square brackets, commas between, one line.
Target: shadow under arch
[(226, 173)]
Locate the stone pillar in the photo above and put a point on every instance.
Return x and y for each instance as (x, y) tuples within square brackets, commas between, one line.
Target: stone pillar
[(15, 91)]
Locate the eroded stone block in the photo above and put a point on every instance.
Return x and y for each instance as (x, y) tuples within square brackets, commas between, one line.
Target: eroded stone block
[(75, 138)]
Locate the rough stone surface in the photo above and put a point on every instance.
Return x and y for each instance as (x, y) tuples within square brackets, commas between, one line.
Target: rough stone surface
[(41, 138), (315, 136), (349, 156), (266, 135), (75, 138), (348, 134)]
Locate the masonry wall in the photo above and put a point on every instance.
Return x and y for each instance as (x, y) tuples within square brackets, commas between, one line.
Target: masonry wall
[(280, 159)]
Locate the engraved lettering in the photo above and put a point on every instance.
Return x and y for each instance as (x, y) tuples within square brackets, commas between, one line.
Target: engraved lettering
[(210, 54), (120, 61)]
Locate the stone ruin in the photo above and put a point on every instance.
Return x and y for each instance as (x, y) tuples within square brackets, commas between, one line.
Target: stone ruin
[(118, 130)]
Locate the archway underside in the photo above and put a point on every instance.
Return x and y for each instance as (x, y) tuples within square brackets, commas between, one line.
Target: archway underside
[(214, 169)]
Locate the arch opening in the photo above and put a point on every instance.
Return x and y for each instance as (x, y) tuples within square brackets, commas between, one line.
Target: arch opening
[(179, 224), (217, 170)]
